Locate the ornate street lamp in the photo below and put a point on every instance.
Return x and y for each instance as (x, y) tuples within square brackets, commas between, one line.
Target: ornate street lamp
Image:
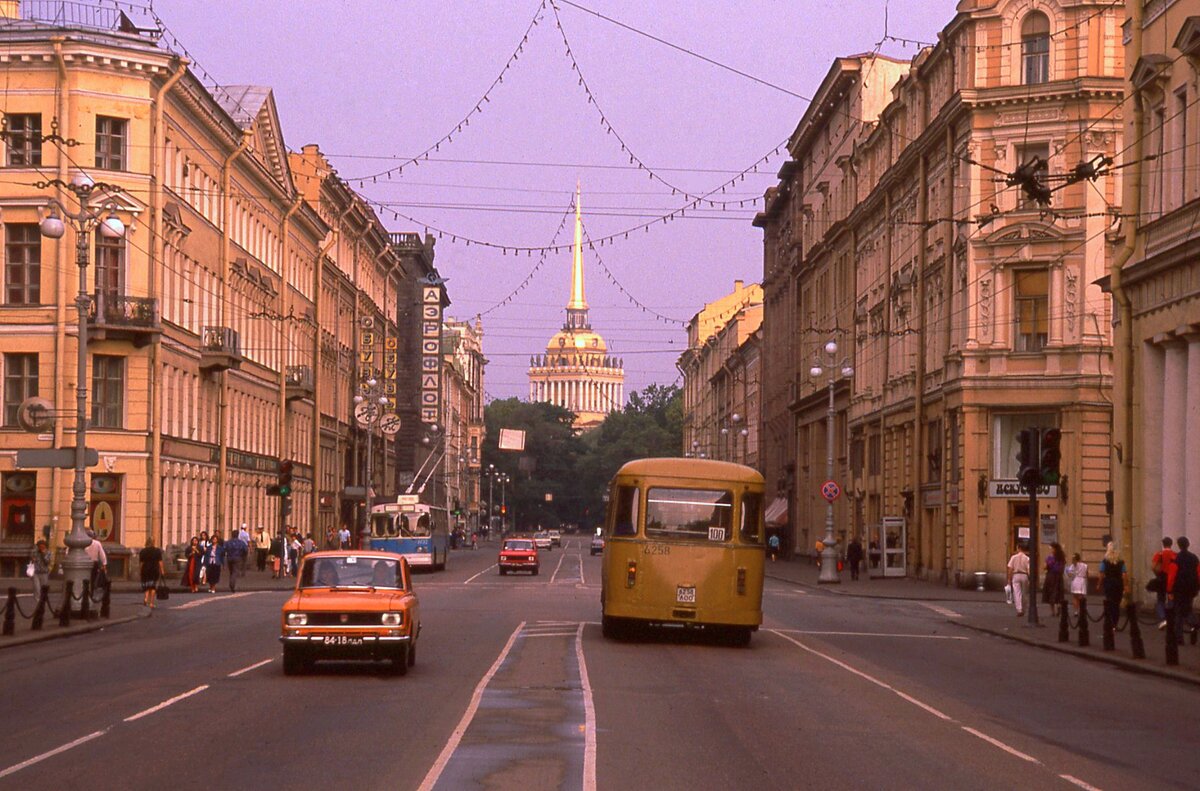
[(829, 573)]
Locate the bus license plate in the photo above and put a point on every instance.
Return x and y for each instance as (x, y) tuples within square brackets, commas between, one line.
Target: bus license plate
[(685, 595), (342, 639)]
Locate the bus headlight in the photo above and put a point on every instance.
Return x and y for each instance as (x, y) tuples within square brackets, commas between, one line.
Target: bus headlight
[(297, 619), (393, 619), (631, 574)]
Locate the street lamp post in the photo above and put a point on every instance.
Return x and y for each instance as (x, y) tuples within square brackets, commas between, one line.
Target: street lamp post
[(829, 573), (76, 564), (491, 476), (371, 393)]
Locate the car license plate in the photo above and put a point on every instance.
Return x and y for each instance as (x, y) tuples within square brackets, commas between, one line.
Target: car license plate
[(342, 639), (685, 595)]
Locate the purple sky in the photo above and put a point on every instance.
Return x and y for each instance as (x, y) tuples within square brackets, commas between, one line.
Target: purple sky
[(367, 79)]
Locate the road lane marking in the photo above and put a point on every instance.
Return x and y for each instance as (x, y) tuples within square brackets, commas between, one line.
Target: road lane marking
[(166, 703), (941, 610), (589, 721), (559, 566), (1006, 748), (223, 597), (452, 743), (874, 634), (255, 666), (480, 574), (1079, 783), (51, 753)]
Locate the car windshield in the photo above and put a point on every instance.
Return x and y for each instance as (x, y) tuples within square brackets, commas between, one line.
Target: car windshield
[(522, 545), (351, 571)]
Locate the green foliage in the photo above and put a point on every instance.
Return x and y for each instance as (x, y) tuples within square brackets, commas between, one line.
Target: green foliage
[(575, 469)]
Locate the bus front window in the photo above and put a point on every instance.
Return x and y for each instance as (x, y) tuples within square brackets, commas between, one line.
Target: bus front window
[(689, 513)]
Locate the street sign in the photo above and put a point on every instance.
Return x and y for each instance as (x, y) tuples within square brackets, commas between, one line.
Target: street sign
[(390, 424), (366, 413), (62, 458), (831, 491)]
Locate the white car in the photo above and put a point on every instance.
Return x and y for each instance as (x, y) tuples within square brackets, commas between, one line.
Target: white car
[(555, 537), (543, 540)]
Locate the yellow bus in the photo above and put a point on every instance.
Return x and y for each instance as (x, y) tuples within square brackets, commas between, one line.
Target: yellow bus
[(684, 546)]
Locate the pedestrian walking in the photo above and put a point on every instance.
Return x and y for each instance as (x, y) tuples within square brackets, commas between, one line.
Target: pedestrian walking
[(1160, 564), (214, 559), (1183, 583), (1114, 583), (1077, 574), (773, 546), (151, 559), (244, 534), (41, 560), (344, 537), (235, 558), (278, 553), (854, 556), (95, 551), (262, 548), (193, 564), (1018, 578), (294, 548), (1052, 586)]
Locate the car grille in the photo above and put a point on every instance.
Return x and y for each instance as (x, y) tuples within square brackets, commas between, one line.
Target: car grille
[(351, 619)]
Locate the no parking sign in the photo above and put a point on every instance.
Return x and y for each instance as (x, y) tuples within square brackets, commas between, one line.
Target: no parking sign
[(831, 491)]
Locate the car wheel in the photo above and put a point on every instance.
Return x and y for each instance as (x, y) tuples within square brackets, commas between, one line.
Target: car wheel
[(412, 654), (294, 662), (503, 572), (400, 662)]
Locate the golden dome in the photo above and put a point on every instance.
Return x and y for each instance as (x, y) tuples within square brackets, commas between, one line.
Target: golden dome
[(576, 340)]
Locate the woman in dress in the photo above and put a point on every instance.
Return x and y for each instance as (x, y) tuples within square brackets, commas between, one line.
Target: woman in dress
[(151, 558), (1114, 581), (1052, 588), (193, 563), (1077, 574), (214, 558)]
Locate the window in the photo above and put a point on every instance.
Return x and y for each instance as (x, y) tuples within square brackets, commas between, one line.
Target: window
[(874, 454), (110, 264), (20, 382), (705, 514), (24, 140), (108, 391), (1036, 157), (625, 511), (111, 135), (752, 513), (22, 264), (1032, 298), (933, 450), (1006, 446), (1035, 49)]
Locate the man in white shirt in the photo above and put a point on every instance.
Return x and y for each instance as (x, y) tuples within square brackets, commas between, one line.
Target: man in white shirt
[(95, 551), (1018, 578), (344, 538)]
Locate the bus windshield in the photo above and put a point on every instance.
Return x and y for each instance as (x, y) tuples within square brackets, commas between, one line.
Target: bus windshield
[(689, 513), (414, 525)]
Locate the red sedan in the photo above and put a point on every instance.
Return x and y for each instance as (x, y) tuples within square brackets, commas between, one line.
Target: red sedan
[(518, 554)]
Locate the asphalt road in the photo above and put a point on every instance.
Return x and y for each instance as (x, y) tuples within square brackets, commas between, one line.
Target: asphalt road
[(514, 688)]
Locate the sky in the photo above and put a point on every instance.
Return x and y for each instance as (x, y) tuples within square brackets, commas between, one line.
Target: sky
[(376, 83)]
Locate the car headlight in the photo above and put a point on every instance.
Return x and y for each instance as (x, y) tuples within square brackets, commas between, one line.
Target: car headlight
[(297, 619), (393, 619)]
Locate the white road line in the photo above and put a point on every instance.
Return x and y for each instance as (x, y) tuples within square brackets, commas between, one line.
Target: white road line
[(1079, 783), (1006, 748), (559, 566), (579, 557), (874, 634), (942, 610), (480, 574), (255, 666), (443, 758), (548, 634), (801, 592), (589, 717), (166, 703), (211, 599), (52, 753)]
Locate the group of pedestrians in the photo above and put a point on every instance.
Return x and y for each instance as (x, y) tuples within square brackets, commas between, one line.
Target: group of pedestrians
[(205, 557), (1175, 584)]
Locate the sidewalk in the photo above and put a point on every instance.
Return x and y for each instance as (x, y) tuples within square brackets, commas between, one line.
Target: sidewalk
[(122, 609), (987, 612)]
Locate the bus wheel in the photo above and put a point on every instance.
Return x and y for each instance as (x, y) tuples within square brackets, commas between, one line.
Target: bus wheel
[(612, 628), (738, 636)]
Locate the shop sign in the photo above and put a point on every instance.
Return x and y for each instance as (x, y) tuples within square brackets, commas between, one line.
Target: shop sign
[(1013, 490)]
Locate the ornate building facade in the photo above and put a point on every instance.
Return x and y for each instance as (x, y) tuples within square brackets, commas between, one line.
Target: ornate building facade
[(577, 372)]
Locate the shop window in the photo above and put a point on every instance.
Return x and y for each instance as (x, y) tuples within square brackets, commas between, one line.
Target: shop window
[(1005, 444), (22, 264), (104, 510), (17, 502), (24, 140), (1035, 49), (1031, 309), (20, 382)]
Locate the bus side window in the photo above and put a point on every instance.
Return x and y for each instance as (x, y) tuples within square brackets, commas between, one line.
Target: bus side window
[(626, 511), (751, 519)]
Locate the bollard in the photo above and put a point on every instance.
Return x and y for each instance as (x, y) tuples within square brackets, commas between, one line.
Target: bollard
[(39, 612), (1172, 638), (10, 612), (105, 601), (1110, 630), (1064, 624), (1085, 638), (64, 615), (1135, 632), (85, 601)]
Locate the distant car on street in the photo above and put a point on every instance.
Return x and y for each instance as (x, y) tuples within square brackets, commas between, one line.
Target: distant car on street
[(543, 540), (555, 537), (597, 545), (518, 554), (351, 605)]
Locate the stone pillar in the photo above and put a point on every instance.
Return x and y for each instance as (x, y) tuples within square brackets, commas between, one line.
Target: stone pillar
[(1174, 416), (1147, 450), (1191, 434)]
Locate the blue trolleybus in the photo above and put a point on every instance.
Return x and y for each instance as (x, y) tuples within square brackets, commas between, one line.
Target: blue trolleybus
[(419, 532)]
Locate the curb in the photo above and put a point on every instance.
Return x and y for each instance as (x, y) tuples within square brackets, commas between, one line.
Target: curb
[(895, 597), (1132, 665), (40, 637)]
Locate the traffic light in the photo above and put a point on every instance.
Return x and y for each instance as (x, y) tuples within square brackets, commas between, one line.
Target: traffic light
[(285, 478), (1050, 457), (1029, 475), (504, 509)]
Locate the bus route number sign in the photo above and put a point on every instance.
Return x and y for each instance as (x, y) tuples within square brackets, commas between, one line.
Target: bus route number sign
[(831, 491)]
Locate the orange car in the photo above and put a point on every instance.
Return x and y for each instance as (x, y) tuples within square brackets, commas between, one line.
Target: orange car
[(351, 605), (518, 554)]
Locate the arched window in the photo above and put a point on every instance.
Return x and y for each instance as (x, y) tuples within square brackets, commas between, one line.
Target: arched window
[(1035, 48)]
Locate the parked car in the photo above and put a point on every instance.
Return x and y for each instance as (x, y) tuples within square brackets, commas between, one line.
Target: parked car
[(555, 537), (597, 545), (543, 540), (351, 605), (518, 554)]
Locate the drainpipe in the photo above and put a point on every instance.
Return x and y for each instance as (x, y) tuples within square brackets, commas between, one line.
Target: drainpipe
[(887, 355), (157, 245), (925, 543), (64, 299), (283, 446), (222, 402), (949, 534), (1123, 334)]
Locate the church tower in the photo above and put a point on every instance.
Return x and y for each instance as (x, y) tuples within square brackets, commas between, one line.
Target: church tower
[(576, 372)]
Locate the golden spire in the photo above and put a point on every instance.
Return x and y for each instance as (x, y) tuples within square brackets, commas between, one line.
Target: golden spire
[(577, 300)]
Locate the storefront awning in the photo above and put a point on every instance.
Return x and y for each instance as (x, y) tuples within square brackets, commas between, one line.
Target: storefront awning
[(777, 511)]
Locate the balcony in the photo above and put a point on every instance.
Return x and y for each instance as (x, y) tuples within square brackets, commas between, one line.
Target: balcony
[(219, 349), (115, 317), (298, 381)]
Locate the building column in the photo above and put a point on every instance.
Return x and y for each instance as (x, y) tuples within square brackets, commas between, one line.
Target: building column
[(1174, 416), (1148, 458), (1191, 434)]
